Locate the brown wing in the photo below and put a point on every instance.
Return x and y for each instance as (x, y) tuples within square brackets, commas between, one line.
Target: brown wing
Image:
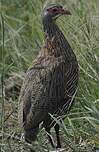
[(42, 93)]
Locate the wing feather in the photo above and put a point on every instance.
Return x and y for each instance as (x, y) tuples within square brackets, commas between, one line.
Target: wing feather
[(41, 93)]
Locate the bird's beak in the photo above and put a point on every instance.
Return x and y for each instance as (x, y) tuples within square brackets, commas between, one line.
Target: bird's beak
[(65, 12)]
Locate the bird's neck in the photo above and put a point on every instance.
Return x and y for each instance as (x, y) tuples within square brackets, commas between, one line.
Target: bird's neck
[(55, 42), (49, 27)]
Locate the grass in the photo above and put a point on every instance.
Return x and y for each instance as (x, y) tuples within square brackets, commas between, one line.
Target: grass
[(21, 37)]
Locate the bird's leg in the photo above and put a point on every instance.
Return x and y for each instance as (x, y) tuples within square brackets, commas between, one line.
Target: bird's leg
[(30, 135), (50, 138), (57, 136)]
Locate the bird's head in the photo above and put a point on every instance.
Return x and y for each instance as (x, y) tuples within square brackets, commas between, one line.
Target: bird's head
[(54, 11)]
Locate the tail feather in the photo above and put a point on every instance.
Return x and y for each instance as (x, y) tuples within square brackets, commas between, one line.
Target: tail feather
[(30, 134)]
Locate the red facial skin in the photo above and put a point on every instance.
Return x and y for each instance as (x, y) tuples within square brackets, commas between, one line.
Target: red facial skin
[(58, 11)]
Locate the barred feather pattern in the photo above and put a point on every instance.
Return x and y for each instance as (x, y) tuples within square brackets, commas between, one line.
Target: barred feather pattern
[(51, 83)]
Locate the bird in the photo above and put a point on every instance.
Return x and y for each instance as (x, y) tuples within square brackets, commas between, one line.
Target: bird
[(51, 83)]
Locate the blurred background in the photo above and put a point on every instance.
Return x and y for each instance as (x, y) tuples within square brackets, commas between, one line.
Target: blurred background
[(21, 38)]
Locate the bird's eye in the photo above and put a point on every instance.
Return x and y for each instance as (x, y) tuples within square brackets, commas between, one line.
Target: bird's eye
[(54, 10)]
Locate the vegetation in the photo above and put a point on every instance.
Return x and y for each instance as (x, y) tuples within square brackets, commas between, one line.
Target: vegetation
[(21, 37)]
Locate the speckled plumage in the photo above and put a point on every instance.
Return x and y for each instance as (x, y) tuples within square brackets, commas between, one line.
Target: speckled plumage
[(50, 84)]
